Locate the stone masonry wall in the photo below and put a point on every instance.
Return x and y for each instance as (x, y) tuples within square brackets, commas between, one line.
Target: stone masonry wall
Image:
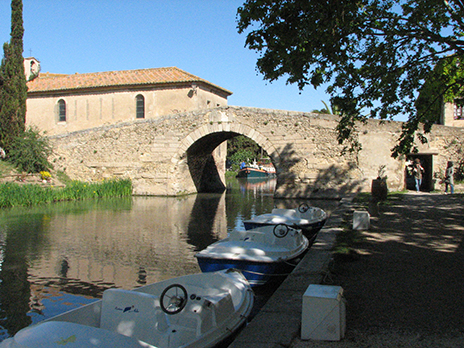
[(302, 146)]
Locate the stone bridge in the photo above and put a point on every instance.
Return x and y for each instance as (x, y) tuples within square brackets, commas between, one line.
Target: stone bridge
[(182, 153)]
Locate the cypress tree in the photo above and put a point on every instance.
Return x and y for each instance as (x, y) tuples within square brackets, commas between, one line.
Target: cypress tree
[(13, 88)]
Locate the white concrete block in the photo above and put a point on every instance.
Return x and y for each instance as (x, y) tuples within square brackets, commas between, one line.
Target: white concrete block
[(323, 313), (361, 220)]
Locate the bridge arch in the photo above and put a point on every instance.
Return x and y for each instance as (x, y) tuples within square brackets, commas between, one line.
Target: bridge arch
[(202, 155)]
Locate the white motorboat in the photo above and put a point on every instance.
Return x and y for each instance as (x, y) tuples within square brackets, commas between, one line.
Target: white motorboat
[(309, 219), (260, 253), (198, 310)]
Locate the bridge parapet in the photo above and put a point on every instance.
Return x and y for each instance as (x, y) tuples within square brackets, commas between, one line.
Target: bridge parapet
[(182, 153)]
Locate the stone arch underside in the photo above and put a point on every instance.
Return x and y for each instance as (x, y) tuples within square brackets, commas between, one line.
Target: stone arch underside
[(206, 167)]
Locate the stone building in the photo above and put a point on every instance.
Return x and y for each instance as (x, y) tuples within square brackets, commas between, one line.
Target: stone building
[(452, 115), (62, 103)]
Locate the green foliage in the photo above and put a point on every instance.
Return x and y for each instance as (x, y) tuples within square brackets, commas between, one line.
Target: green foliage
[(63, 177), (242, 143), (242, 148), (373, 56), (13, 89), (242, 155), (12, 194), (321, 111), (443, 85), (30, 151), (6, 168)]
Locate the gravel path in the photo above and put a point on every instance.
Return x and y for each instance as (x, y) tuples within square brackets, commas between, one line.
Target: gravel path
[(407, 287)]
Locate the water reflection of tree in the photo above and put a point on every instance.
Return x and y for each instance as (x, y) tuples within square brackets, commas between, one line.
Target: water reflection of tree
[(23, 243), (15, 290)]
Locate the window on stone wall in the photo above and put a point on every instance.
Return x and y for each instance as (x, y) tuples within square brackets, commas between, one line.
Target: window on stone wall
[(459, 109), (140, 106), (61, 110)]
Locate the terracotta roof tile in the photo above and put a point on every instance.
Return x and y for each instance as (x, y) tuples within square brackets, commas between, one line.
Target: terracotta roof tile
[(58, 82)]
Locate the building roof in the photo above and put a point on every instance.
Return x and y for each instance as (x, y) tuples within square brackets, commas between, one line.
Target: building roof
[(47, 82)]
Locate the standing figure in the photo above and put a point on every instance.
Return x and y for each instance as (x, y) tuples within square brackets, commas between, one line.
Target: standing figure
[(418, 171), (449, 177)]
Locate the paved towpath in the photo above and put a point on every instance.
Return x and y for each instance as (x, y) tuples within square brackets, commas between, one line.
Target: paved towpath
[(406, 288)]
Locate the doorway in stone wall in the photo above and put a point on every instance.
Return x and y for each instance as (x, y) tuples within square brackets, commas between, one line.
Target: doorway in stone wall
[(427, 178)]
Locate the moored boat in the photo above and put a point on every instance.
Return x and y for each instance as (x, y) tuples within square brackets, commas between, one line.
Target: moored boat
[(256, 170), (309, 219), (250, 172), (198, 310), (261, 253)]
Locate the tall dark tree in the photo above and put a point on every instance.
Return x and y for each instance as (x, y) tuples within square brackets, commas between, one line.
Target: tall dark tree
[(13, 89), (374, 55)]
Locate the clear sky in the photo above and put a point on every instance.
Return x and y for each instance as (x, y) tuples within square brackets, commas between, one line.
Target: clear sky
[(200, 37)]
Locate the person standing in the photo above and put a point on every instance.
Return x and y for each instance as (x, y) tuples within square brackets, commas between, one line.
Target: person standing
[(449, 177), (418, 172)]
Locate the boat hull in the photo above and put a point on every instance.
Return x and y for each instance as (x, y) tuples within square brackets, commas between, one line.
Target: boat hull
[(252, 173), (310, 220), (257, 273), (261, 254)]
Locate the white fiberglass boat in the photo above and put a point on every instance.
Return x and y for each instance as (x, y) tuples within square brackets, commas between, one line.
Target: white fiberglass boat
[(309, 219), (260, 253), (198, 310)]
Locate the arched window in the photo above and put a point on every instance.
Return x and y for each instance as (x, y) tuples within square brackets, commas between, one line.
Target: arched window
[(61, 110), (140, 106)]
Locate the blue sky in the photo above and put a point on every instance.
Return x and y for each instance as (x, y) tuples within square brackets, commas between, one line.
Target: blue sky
[(200, 37)]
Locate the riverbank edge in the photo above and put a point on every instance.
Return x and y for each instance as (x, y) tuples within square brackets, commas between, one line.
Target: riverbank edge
[(278, 323)]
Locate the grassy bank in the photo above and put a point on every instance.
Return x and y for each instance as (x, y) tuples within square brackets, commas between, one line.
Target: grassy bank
[(348, 240), (12, 194)]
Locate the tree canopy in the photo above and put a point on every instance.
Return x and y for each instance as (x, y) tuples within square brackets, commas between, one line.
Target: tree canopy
[(13, 88), (375, 56)]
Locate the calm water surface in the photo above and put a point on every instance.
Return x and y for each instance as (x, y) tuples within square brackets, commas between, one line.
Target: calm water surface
[(57, 257)]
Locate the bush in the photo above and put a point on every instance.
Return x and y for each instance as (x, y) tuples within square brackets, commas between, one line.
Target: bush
[(29, 152)]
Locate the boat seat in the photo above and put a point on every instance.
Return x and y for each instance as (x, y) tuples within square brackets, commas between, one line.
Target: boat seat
[(221, 306), (134, 314), (204, 312)]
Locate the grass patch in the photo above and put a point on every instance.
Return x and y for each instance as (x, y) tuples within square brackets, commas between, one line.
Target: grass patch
[(6, 168), (13, 195), (346, 242)]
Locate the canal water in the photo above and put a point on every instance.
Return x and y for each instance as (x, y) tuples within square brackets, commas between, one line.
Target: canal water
[(61, 256)]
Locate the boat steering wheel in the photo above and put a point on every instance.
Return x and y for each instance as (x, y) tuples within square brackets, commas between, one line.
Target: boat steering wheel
[(173, 299), (303, 208), (280, 230)]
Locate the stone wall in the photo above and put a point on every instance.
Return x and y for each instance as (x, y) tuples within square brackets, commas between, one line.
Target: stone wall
[(173, 155)]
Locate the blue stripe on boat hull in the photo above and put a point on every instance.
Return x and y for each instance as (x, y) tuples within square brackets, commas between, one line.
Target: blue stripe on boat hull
[(257, 273)]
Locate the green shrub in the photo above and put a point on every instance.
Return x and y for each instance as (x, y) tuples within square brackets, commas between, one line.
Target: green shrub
[(29, 152)]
